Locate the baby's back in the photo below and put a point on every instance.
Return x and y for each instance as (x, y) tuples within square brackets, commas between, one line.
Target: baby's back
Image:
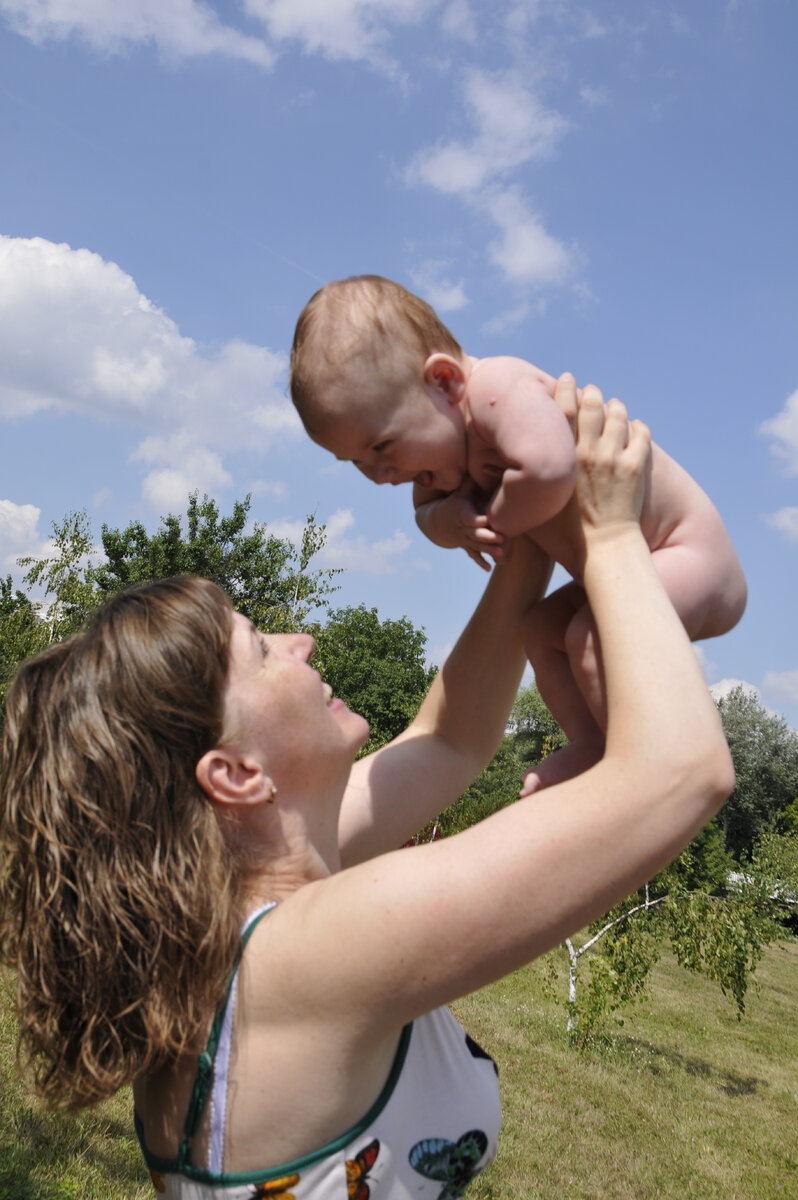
[(676, 511)]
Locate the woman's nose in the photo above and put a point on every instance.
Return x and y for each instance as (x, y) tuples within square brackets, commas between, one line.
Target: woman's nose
[(303, 645)]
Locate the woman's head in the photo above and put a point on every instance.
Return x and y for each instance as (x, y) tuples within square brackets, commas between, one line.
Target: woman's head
[(117, 894)]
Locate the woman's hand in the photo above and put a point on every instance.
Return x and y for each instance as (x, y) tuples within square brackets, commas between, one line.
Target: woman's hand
[(613, 461), (612, 455)]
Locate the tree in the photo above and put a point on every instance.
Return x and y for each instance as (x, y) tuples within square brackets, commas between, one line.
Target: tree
[(266, 577), (765, 754), (377, 667), (497, 786), (721, 935), (535, 731), (22, 632), (66, 576)]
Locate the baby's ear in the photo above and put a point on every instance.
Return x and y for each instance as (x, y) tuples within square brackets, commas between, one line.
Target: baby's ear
[(446, 375)]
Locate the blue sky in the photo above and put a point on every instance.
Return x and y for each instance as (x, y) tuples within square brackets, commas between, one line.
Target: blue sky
[(609, 189)]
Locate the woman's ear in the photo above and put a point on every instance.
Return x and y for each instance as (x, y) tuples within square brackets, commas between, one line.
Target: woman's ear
[(446, 374), (228, 778)]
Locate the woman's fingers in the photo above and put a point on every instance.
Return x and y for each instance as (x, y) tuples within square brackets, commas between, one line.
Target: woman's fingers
[(565, 396), (616, 425), (590, 420)]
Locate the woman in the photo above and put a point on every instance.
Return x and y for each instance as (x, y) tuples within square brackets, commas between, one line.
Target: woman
[(172, 774)]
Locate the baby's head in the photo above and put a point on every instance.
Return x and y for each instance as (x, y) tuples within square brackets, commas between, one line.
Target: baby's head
[(363, 340), (377, 379)]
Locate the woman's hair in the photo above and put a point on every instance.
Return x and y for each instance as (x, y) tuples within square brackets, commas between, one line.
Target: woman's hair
[(118, 902), (346, 319)]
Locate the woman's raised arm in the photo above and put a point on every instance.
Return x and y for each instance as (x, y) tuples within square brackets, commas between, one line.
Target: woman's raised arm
[(447, 918), (395, 791)]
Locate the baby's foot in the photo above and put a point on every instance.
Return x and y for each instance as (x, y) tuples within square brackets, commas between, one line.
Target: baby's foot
[(563, 764)]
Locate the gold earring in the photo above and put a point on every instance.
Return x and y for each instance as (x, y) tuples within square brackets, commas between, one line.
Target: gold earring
[(270, 799)]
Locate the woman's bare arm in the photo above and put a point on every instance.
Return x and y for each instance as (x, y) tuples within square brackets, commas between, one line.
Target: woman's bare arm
[(395, 791), (443, 919)]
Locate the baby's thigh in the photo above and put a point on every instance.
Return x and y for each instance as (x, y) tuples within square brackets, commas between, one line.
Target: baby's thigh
[(705, 586)]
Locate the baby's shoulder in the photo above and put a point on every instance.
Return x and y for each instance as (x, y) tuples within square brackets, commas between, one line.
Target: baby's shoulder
[(501, 376)]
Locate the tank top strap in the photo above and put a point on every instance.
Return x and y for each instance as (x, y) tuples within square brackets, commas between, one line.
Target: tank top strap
[(205, 1079)]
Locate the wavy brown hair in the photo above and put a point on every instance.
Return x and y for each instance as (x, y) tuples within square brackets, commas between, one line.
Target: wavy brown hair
[(344, 320), (118, 900)]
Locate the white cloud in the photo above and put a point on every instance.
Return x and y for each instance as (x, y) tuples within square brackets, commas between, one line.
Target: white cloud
[(19, 533), (783, 429), (785, 521), (179, 28), (356, 553), (267, 487), (594, 97), (77, 336), (458, 21), (525, 251), (723, 687), (166, 487), (342, 549), (511, 127), (432, 281), (339, 29)]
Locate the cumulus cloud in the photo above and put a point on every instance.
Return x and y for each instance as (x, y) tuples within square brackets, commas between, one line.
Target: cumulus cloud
[(785, 520), (77, 336), (179, 28), (344, 548), (457, 19), (783, 432), (524, 251), (511, 127), (339, 29), (724, 687), (432, 280), (19, 533)]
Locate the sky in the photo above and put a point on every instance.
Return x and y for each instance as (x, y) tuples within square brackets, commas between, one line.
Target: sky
[(606, 188)]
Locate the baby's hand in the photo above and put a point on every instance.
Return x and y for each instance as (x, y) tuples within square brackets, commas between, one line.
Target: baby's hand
[(455, 520)]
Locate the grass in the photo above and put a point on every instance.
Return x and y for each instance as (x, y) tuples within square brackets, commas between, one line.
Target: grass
[(680, 1103)]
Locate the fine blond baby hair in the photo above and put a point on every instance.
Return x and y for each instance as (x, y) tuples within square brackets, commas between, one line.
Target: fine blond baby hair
[(351, 319)]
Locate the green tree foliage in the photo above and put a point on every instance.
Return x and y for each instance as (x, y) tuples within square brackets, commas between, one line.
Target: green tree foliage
[(22, 632), (495, 788), (377, 667), (66, 576), (765, 754), (721, 935), (535, 732), (267, 579)]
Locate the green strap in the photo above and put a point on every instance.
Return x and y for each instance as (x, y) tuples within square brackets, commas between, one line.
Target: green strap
[(203, 1079)]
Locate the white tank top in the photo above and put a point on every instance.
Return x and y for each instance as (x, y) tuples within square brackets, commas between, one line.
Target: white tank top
[(433, 1127)]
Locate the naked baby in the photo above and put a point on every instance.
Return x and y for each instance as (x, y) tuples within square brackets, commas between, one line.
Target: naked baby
[(378, 379)]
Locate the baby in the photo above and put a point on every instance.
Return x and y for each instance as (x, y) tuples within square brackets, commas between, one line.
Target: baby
[(377, 379)]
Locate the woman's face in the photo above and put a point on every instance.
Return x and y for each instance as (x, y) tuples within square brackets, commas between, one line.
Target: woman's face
[(278, 708)]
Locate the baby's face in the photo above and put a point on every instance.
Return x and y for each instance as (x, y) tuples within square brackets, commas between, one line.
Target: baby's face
[(416, 436)]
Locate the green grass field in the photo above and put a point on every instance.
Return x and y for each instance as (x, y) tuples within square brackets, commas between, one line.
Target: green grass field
[(681, 1102)]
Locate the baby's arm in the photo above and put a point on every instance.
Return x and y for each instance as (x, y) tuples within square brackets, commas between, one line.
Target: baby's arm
[(452, 519), (513, 412)]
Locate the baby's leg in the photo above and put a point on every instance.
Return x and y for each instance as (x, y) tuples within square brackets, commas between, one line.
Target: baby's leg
[(549, 636), (705, 584)]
